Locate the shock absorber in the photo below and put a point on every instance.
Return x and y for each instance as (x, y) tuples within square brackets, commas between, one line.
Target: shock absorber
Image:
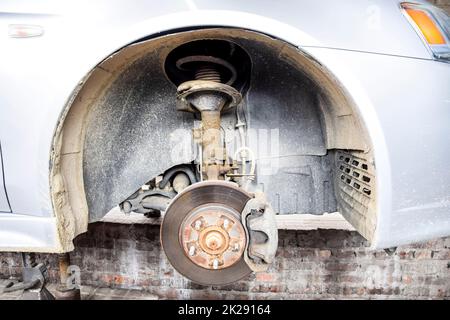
[(209, 95), (205, 232)]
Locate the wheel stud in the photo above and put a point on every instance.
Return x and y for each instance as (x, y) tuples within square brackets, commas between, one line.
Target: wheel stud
[(192, 251), (215, 264)]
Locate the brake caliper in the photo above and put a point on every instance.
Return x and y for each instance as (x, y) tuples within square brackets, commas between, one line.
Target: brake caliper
[(259, 222)]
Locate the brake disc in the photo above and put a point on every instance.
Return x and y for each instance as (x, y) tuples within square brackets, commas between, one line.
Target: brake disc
[(202, 233)]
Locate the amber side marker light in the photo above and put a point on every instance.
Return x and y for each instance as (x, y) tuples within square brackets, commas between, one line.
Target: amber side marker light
[(425, 23)]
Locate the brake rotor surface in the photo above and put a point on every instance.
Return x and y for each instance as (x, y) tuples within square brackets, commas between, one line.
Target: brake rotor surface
[(202, 234)]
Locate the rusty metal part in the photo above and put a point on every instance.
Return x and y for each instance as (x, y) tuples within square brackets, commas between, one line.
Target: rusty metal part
[(261, 229), (209, 98), (213, 236), (64, 263), (212, 149), (207, 61), (214, 240), (65, 290), (207, 73), (231, 200), (188, 99)]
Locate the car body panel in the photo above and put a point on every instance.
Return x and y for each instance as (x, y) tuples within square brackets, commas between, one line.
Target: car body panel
[(28, 233), (413, 171), (39, 75), (364, 25), (4, 204)]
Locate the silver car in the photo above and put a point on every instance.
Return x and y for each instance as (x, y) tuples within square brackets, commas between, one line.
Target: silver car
[(223, 118)]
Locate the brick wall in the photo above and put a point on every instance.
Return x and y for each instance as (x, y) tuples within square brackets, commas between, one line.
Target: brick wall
[(310, 264)]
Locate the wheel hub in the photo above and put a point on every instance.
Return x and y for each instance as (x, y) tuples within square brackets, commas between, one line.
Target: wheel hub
[(213, 237), (202, 233)]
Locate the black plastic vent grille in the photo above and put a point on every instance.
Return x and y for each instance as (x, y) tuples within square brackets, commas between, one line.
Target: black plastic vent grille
[(355, 181)]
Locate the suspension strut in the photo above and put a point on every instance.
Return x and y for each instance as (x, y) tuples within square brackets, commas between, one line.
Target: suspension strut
[(204, 232), (209, 95)]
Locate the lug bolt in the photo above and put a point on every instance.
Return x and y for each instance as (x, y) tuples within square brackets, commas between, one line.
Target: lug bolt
[(192, 251), (198, 224), (215, 264), (226, 223)]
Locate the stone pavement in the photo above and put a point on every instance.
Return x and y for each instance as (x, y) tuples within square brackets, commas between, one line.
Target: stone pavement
[(89, 293)]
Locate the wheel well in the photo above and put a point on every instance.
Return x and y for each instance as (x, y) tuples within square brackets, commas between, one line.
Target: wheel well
[(341, 126)]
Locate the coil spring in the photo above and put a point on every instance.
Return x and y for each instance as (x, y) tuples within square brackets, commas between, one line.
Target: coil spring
[(208, 73), (29, 259)]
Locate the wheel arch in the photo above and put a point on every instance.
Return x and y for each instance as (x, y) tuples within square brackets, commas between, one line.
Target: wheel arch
[(66, 173)]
